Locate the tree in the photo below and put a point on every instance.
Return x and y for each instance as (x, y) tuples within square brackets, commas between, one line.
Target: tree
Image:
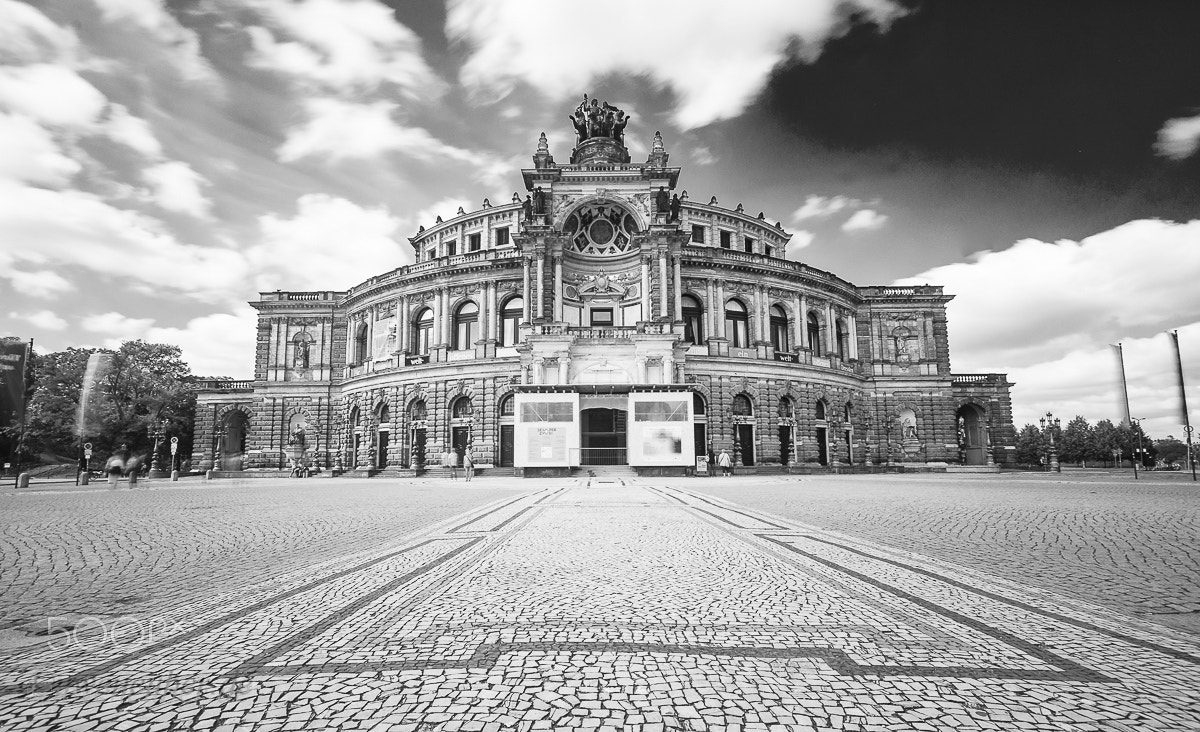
[(140, 386), (1075, 439), (1105, 438), (1029, 445), (1170, 450)]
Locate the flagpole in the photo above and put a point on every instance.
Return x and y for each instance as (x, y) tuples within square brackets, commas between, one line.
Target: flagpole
[(1124, 389), (1187, 425)]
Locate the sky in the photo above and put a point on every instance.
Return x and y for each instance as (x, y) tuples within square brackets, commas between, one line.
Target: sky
[(162, 162)]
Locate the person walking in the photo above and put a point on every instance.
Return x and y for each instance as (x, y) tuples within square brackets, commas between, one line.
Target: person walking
[(448, 463), (468, 466), (725, 462)]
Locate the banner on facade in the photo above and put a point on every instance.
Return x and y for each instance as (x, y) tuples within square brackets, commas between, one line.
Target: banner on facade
[(14, 354)]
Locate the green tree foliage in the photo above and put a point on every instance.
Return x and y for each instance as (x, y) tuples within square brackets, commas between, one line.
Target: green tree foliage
[(1075, 439), (1170, 450), (1105, 438), (141, 385), (1029, 445)]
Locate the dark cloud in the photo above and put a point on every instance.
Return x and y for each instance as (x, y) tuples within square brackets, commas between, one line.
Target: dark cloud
[(1076, 87)]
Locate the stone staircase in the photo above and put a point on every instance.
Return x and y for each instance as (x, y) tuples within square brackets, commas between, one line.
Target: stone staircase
[(607, 471)]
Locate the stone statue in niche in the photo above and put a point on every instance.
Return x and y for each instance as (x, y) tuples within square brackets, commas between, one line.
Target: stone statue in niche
[(300, 360), (675, 206), (527, 208), (661, 204), (539, 201)]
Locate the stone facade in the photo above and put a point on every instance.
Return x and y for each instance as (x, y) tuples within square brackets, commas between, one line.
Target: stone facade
[(604, 281)]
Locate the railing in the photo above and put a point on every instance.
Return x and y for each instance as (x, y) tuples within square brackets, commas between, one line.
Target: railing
[(301, 296), (612, 331), (978, 378), (602, 456), (222, 385)]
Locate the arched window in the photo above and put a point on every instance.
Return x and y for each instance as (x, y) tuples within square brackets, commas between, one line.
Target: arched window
[(847, 411), (462, 408), (737, 324), (416, 411), (742, 406), (820, 409), (693, 319), (423, 332), (779, 329), (698, 406), (814, 334), (385, 414), (466, 326), (510, 321), (841, 338), (355, 417), (786, 408), (507, 406), (360, 343)]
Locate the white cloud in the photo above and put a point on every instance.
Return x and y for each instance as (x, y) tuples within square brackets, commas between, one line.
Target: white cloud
[(330, 244), (180, 44), (41, 283), (28, 36), (1179, 138), (131, 131), (716, 56), (339, 130), (701, 155), (29, 153), (50, 94), (819, 207), (76, 228), (116, 327), (221, 344), (342, 43), (179, 188), (800, 240), (43, 319), (864, 220), (1045, 313)]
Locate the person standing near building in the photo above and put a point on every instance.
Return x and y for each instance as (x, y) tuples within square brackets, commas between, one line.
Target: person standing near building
[(468, 465), (448, 462), (725, 462)]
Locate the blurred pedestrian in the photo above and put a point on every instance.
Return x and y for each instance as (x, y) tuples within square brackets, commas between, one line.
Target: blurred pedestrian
[(468, 465)]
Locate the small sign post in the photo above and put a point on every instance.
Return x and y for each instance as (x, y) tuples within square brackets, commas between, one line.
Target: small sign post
[(174, 449)]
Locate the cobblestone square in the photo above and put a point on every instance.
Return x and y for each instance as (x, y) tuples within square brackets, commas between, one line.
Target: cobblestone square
[(750, 603)]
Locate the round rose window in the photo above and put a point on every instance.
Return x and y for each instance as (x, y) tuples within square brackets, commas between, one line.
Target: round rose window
[(600, 229)]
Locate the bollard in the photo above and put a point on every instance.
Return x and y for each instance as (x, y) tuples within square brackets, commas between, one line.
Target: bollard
[(174, 475), (208, 474), (23, 480), (112, 478), (132, 479), (84, 477)]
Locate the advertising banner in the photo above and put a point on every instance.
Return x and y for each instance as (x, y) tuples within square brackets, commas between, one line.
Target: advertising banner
[(13, 355), (661, 433)]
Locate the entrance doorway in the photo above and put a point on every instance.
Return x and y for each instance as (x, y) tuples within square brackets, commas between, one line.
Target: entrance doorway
[(381, 451), (602, 436), (418, 448), (233, 440), (507, 451), (972, 437), (822, 446), (785, 445), (460, 437), (745, 438)]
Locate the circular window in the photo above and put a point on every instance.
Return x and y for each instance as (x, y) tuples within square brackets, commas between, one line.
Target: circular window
[(600, 229)]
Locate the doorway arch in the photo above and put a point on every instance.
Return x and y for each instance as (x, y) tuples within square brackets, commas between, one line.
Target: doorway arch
[(602, 436), (231, 441), (972, 434)]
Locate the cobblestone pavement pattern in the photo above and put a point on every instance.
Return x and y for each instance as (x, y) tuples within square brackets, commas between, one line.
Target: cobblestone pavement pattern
[(609, 604), (1131, 546)]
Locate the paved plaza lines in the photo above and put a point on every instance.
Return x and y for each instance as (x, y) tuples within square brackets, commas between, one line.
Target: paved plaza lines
[(620, 604)]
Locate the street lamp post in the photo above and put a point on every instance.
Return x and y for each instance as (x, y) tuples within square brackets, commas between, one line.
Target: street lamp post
[(1049, 424), (1137, 425), (156, 430)]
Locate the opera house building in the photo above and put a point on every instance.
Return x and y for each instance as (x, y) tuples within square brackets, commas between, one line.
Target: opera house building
[(603, 318)]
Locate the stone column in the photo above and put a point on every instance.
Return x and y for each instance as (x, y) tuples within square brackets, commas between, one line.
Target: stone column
[(493, 320), (830, 330), (557, 315), (719, 310), (676, 261), (402, 313), (668, 369), (538, 363), (852, 346), (640, 362), (710, 312), (662, 285), (564, 369), (797, 322), (541, 284), (761, 309), (527, 299), (647, 314), (447, 319)]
